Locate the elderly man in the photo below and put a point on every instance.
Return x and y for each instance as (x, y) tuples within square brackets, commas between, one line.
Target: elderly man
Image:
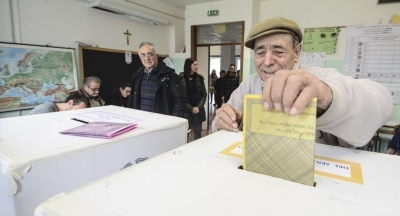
[(74, 101), (155, 86), (349, 111), (91, 89)]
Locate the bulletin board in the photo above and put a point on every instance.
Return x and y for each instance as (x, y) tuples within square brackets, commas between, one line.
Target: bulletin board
[(109, 65)]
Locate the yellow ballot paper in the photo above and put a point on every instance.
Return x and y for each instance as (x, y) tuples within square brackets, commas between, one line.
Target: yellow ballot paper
[(277, 144)]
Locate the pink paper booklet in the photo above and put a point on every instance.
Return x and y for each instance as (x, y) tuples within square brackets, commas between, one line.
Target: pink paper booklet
[(104, 130)]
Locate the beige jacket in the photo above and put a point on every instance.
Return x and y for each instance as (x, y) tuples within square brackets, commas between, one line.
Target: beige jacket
[(358, 109)]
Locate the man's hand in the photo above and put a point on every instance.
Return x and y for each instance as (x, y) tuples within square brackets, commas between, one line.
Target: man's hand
[(228, 118), (391, 151), (292, 90), (195, 110)]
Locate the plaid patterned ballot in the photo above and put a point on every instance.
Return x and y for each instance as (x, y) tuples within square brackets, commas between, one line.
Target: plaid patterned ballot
[(277, 144)]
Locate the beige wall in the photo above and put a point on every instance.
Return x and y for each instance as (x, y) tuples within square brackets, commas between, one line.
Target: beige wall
[(317, 13), (62, 22), (229, 11)]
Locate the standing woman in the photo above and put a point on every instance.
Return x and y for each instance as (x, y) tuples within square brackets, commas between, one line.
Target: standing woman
[(119, 97), (195, 90)]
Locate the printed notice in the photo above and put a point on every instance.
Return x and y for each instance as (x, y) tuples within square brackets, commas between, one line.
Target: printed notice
[(313, 59), (333, 168), (373, 52), (338, 169), (321, 39)]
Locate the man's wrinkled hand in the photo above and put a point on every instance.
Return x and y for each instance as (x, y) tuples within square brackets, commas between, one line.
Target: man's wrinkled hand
[(292, 90), (228, 118)]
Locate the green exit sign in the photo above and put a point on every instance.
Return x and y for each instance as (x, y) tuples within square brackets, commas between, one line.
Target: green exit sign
[(213, 13)]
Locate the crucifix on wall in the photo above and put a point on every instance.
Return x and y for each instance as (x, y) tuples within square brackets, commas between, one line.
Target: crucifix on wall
[(127, 36)]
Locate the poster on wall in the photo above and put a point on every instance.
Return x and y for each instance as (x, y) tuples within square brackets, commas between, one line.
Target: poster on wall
[(31, 75), (320, 39), (373, 52), (313, 59)]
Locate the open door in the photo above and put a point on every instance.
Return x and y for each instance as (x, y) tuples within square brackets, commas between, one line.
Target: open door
[(203, 54)]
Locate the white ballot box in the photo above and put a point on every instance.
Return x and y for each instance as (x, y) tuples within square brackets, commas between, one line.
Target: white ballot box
[(202, 178), (37, 162)]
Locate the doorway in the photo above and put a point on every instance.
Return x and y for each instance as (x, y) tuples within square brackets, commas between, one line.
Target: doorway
[(216, 46)]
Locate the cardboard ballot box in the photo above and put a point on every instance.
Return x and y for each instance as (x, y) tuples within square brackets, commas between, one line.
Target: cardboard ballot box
[(202, 178), (37, 162)]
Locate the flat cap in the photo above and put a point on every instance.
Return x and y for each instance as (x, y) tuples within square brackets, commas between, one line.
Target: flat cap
[(273, 25)]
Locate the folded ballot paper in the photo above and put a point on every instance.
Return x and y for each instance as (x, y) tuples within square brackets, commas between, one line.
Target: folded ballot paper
[(104, 130), (277, 144)]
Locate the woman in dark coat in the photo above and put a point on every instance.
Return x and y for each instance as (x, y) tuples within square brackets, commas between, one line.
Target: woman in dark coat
[(195, 90), (119, 97)]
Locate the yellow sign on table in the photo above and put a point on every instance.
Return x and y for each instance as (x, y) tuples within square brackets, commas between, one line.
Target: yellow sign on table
[(395, 19), (324, 166), (277, 144)]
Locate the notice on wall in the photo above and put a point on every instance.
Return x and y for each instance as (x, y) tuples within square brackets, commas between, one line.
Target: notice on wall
[(320, 39), (313, 59), (373, 52)]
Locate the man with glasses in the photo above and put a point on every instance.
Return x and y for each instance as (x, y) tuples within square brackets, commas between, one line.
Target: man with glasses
[(349, 111), (91, 89), (155, 86), (229, 83)]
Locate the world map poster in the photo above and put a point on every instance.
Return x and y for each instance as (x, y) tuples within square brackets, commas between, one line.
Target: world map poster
[(31, 75)]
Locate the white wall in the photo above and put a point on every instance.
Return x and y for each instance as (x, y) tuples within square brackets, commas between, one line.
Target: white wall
[(5, 21), (62, 22), (229, 11), (317, 13), (307, 13)]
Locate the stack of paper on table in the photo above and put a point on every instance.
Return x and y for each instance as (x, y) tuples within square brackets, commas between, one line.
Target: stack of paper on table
[(105, 130), (277, 144)]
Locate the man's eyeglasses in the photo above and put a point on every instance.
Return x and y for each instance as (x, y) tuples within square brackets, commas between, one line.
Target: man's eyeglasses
[(150, 54), (128, 92), (94, 89)]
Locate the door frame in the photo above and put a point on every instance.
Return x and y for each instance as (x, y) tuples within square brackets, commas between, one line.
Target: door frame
[(193, 53)]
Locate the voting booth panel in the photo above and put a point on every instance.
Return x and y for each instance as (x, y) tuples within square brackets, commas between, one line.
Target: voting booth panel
[(76, 160)]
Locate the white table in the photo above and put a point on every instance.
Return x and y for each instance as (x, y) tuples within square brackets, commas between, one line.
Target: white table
[(195, 179), (49, 163)]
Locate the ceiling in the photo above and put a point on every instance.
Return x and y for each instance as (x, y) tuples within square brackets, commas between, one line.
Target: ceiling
[(209, 34), (182, 3)]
